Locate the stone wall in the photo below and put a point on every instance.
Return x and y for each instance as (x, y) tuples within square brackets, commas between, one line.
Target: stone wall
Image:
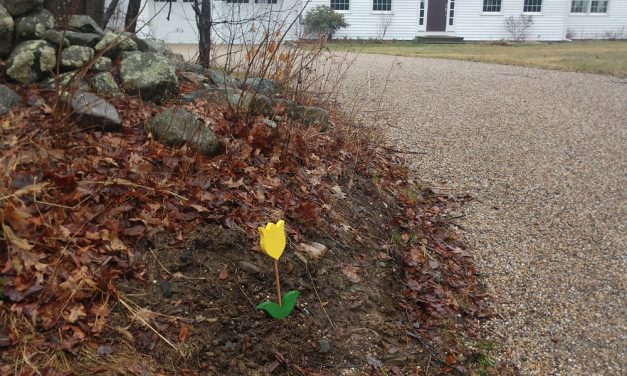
[(92, 70)]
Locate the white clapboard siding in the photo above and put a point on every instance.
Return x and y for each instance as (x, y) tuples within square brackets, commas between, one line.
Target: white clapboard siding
[(612, 24), (402, 21), (235, 23), (472, 24), (554, 23)]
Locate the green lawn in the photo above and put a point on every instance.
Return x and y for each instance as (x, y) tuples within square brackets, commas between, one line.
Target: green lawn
[(604, 57)]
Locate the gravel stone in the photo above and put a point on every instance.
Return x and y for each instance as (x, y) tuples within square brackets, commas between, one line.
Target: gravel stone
[(249, 267), (324, 346), (544, 153)]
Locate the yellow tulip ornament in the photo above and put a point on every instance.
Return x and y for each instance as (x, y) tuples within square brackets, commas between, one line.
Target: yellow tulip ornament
[(272, 243)]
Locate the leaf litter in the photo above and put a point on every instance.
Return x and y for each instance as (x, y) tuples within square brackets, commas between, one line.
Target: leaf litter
[(81, 211)]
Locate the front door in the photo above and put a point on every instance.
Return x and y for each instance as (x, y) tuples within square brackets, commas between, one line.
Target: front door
[(436, 15)]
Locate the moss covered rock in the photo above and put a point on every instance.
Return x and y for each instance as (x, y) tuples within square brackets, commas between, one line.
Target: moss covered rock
[(30, 61), (150, 75), (250, 104), (176, 126), (6, 30), (104, 84), (34, 24), (61, 81), (115, 43), (19, 7), (82, 39), (261, 85), (309, 115), (56, 38), (75, 57), (102, 64)]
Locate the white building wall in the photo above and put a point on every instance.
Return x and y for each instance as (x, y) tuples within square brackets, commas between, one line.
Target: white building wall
[(402, 23), (473, 24), (235, 23), (364, 23), (612, 24)]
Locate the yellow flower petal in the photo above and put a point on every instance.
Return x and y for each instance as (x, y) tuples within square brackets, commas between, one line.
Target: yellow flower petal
[(272, 239)]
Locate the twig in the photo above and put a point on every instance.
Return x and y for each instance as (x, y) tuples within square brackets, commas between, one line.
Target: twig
[(175, 275), (131, 184), (318, 296), (247, 298), (159, 262), (135, 315)]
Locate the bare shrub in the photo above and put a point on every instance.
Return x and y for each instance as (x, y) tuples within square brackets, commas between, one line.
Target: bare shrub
[(517, 27), (384, 24)]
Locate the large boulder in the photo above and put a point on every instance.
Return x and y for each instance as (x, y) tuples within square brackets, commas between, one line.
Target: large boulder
[(75, 57), (94, 112), (193, 78), (104, 84), (176, 126), (115, 43), (8, 99), (56, 38), (30, 61), (150, 75), (34, 25), (124, 54), (82, 39), (149, 45), (102, 64), (250, 103), (261, 85), (221, 79), (310, 115), (84, 23), (61, 81), (19, 7), (6, 31)]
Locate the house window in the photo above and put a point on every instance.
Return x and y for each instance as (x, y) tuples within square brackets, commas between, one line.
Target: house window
[(579, 6), (340, 4), (587, 6), (532, 6), (490, 6), (598, 6), (382, 5), (421, 16), (265, 1), (237, 1), (451, 12)]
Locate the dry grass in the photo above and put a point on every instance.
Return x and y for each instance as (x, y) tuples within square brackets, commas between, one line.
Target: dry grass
[(601, 57)]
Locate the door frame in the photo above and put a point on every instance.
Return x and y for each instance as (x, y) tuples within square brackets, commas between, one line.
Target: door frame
[(447, 28)]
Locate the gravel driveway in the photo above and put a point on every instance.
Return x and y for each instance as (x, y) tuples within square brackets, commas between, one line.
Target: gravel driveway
[(545, 155)]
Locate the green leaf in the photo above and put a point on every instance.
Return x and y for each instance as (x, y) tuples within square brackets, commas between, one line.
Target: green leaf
[(280, 311)]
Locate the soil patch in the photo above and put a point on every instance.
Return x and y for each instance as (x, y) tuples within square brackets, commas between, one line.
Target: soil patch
[(347, 320)]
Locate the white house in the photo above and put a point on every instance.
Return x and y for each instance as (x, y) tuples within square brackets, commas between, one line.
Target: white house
[(553, 20)]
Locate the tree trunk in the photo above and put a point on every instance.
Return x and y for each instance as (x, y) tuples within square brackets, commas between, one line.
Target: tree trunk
[(109, 12), (202, 9), (132, 13)]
